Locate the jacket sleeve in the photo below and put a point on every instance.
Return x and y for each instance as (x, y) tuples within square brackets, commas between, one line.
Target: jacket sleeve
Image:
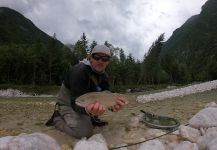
[(77, 82), (77, 108)]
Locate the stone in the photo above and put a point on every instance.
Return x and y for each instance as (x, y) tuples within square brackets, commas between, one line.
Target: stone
[(186, 145), (189, 133), (170, 139), (32, 141), (203, 141), (96, 142), (211, 131), (211, 104), (152, 145), (133, 136), (133, 123), (152, 133), (212, 145), (205, 118)]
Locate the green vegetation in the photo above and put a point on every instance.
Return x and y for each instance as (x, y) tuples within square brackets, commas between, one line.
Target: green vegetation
[(191, 52), (30, 57)]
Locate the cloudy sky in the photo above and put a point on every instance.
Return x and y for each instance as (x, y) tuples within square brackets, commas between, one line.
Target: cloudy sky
[(129, 24)]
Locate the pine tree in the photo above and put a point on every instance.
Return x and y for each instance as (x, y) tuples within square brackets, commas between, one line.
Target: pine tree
[(81, 48), (92, 45), (151, 62)]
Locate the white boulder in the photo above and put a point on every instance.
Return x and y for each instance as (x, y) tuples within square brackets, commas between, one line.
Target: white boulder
[(204, 141), (186, 145), (205, 118), (212, 145), (152, 145), (96, 142), (211, 104), (34, 141), (152, 133), (189, 133)]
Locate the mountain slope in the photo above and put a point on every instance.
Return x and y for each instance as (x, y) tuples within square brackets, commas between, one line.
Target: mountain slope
[(16, 29), (27, 54), (194, 44)]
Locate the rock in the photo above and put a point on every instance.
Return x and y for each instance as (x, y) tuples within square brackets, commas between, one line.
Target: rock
[(133, 136), (212, 145), (204, 141), (96, 142), (186, 145), (211, 131), (37, 141), (98, 138), (170, 140), (152, 133), (152, 145), (176, 132), (189, 133), (205, 118), (133, 123), (211, 104)]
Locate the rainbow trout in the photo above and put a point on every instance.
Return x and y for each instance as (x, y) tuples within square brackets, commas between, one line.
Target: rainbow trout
[(106, 98)]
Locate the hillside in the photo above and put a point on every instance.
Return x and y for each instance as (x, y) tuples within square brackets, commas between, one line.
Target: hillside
[(27, 54), (16, 29), (194, 44)]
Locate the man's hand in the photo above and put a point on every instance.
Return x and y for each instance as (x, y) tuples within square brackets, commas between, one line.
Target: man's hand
[(95, 109), (119, 104)]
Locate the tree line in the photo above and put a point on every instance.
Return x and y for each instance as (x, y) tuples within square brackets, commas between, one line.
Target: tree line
[(40, 64)]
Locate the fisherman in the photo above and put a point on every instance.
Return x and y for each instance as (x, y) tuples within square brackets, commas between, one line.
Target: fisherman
[(87, 76)]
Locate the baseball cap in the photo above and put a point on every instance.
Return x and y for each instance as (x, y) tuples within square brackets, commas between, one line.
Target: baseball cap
[(101, 49)]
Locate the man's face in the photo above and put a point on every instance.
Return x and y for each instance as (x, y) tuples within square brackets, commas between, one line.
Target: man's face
[(99, 61)]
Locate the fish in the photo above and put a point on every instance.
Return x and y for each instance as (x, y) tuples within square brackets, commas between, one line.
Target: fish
[(106, 98)]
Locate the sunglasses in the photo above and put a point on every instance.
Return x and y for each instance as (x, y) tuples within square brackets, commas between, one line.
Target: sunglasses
[(98, 57)]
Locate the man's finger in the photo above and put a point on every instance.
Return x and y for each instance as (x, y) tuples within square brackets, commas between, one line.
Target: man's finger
[(95, 108), (90, 106), (117, 107), (120, 103), (101, 110)]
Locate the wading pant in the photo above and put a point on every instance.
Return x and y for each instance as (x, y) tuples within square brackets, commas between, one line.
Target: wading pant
[(73, 123)]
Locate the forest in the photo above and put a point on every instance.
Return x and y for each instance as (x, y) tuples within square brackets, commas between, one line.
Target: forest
[(28, 56), (41, 65)]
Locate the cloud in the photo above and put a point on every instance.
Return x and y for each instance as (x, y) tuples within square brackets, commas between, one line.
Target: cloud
[(130, 24)]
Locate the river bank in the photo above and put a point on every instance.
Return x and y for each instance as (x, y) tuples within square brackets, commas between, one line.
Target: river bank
[(28, 115)]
